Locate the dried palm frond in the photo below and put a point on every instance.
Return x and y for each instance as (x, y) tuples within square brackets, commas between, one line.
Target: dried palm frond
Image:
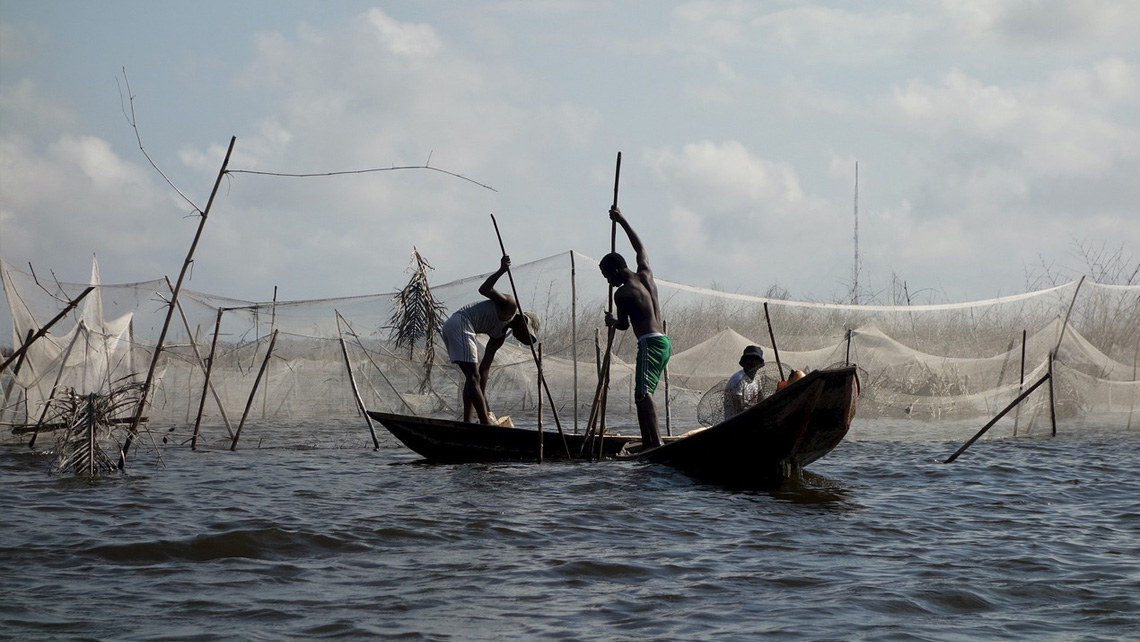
[(418, 316), (86, 423)]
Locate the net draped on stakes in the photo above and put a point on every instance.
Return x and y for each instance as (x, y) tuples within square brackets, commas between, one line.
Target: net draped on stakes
[(948, 361)]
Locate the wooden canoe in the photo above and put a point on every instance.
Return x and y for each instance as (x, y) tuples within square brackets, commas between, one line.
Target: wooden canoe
[(457, 442), (772, 440)]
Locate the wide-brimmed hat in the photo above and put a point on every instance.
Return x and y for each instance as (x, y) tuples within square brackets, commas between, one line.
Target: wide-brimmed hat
[(752, 352), (533, 323)]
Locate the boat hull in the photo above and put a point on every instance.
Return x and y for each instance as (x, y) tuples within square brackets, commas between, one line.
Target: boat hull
[(457, 442), (772, 440)]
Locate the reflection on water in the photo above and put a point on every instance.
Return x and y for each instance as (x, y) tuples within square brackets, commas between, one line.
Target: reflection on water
[(1020, 538)]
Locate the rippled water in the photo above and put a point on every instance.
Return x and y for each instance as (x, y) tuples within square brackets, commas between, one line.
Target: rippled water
[(1030, 538)]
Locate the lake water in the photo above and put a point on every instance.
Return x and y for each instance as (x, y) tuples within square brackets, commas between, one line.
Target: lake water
[(1034, 538)]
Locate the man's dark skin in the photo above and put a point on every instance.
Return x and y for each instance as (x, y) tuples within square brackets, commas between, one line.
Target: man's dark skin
[(637, 306)]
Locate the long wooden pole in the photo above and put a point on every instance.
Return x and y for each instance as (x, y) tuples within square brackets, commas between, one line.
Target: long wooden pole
[(574, 332), (597, 422), (206, 384), (253, 393), (996, 418), (12, 382), (1020, 382), (533, 348), (202, 364), (772, 336), (356, 393), (42, 331), (170, 309)]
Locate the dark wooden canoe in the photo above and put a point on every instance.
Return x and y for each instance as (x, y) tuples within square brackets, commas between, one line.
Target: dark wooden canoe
[(457, 442), (772, 440)]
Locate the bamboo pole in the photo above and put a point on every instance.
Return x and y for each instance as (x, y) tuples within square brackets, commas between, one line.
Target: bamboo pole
[(597, 423), (170, 309), (42, 331), (847, 355), (54, 387), (1052, 397), (574, 332), (12, 382), (1020, 383), (541, 444), (253, 393), (1132, 399), (356, 393), (533, 350), (996, 418), (668, 424), (772, 336), (205, 385), (202, 364)]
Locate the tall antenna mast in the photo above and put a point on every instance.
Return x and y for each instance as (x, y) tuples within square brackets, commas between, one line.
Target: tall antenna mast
[(855, 267)]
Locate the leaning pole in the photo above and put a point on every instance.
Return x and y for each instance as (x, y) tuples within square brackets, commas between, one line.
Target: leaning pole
[(170, 309)]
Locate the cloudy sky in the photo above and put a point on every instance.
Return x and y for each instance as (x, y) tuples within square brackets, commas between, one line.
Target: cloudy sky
[(993, 138)]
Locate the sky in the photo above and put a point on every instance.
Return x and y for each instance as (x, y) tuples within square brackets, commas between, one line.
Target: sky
[(996, 141)]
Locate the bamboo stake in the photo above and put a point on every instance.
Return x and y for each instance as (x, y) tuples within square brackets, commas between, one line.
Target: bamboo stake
[(1052, 398), (541, 445), (574, 332), (54, 387), (996, 418), (253, 393), (12, 381), (772, 336), (170, 309), (356, 393), (42, 331), (533, 351), (847, 355), (202, 364), (1132, 399), (1020, 383), (206, 383)]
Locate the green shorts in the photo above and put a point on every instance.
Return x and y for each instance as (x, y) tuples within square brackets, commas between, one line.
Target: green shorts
[(653, 352)]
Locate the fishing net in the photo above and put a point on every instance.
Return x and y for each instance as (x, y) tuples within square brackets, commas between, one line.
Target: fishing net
[(924, 362)]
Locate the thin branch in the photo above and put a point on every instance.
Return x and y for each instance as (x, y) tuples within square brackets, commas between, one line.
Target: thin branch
[(133, 122)]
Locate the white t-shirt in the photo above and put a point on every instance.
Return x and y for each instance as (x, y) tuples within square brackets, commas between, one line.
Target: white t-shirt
[(741, 392)]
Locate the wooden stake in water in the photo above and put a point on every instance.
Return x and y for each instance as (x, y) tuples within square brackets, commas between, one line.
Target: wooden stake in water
[(206, 385), (253, 393), (996, 418), (356, 393), (170, 309)]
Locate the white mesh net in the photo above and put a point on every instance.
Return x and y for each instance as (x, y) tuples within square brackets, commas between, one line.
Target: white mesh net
[(926, 362)]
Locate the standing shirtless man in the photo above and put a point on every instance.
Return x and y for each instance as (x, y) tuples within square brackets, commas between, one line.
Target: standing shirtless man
[(637, 306)]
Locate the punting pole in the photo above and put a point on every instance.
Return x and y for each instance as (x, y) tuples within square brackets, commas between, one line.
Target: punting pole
[(772, 336), (253, 393), (597, 423), (206, 384), (170, 309), (356, 394), (42, 331), (668, 425), (533, 350), (996, 418)]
